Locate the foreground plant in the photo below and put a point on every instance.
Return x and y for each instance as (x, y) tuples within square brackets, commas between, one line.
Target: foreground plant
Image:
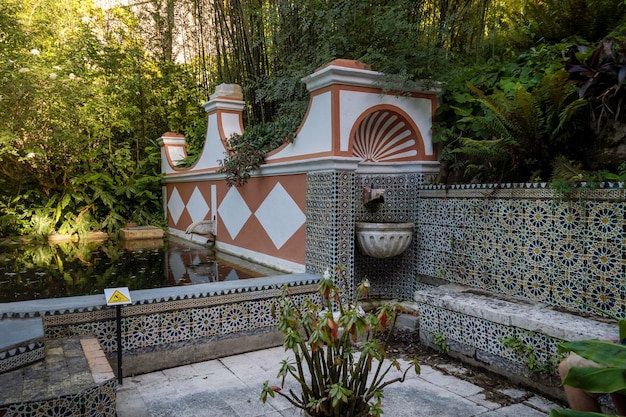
[(336, 378), (607, 380)]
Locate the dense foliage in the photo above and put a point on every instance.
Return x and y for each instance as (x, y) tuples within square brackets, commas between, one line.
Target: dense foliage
[(547, 108), (82, 104), (84, 92)]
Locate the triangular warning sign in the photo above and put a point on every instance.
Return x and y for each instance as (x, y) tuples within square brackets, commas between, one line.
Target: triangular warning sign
[(118, 298)]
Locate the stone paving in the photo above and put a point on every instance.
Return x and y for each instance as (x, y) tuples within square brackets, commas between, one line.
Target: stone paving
[(64, 371), (73, 379), (231, 386)]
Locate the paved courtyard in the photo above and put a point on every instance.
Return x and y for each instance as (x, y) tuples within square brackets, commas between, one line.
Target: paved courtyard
[(231, 386)]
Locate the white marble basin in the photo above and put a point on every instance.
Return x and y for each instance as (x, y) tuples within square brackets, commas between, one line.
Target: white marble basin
[(383, 240)]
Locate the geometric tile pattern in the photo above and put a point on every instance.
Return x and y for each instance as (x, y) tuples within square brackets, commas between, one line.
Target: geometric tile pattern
[(525, 243), (234, 211), (391, 277), (478, 337), (175, 205), (98, 401), (329, 222), (22, 355), (280, 216), (197, 206), (162, 323), (60, 385)]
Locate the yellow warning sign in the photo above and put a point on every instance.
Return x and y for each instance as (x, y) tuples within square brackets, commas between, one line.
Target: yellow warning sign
[(116, 296)]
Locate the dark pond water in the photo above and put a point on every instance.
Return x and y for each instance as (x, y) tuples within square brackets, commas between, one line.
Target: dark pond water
[(29, 272)]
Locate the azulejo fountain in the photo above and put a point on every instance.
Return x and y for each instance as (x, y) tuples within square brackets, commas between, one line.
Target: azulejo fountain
[(384, 240)]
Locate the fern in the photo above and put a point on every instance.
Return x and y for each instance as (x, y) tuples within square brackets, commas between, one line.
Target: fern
[(527, 130)]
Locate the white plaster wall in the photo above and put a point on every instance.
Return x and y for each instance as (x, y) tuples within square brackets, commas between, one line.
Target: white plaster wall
[(213, 150), (354, 103), (315, 136)]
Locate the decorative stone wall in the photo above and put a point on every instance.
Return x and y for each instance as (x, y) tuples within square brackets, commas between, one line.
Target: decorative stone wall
[(532, 270), (168, 319), (526, 242), (353, 126), (330, 225)]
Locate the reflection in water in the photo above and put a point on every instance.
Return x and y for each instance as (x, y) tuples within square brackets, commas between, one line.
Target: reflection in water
[(30, 272), (199, 265)]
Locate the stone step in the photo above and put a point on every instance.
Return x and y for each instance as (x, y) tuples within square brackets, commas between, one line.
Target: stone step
[(513, 337), (21, 343), (73, 379)]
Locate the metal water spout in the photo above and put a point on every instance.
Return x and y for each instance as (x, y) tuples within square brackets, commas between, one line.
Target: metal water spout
[(373, 195)]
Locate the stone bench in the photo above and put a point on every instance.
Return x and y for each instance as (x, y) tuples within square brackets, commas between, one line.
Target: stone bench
[(22, 342), (510, 336)]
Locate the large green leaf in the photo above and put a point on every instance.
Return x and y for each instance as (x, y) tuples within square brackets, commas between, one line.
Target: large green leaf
[(602, 352), (573, 413), (597, 380)]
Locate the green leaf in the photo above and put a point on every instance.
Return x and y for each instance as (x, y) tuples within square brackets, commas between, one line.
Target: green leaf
[(339, 393), (597, 380), (602, 352), (573, 413)]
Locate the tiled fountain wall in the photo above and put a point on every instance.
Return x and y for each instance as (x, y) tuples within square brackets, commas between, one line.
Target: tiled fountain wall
[(391, 277), (525, 242), (334, 204), (295, 213)]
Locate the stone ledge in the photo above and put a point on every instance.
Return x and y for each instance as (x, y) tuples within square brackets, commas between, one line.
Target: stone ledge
[(518, 313), (98, 364), (22, 342)]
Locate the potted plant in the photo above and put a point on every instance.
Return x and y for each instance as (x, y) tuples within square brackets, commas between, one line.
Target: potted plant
[(336, 377), (609, 379)]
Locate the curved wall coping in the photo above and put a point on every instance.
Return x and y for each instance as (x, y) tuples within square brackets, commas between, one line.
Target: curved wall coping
[(320, 164), (88, 303), (337, 72)]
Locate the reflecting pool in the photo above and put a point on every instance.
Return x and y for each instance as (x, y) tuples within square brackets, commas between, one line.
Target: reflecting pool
[(30, 272)]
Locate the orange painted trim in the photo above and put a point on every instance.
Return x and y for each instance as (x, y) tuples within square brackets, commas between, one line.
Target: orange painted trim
[(220, 126), (434, 104), (347, 63), (378, 90), (193, 171), (172, 135), (304, 157), (335, 112)]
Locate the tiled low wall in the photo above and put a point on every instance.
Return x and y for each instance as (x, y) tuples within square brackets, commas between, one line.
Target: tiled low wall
[(189, 320), (527, 243), (72, 380), (524, 244), (509, 335)]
